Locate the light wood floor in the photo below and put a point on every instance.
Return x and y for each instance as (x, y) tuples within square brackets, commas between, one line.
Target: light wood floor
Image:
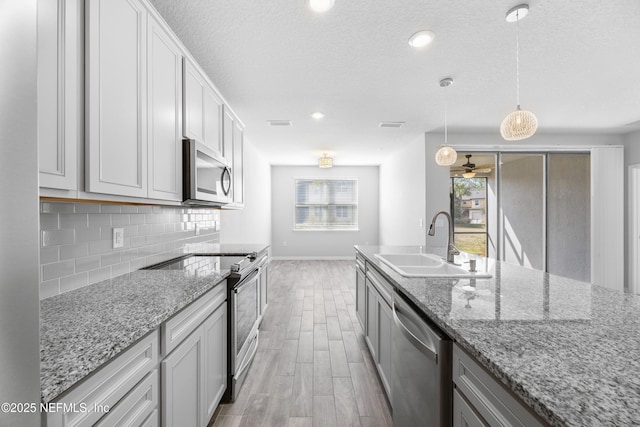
[(312, 367)]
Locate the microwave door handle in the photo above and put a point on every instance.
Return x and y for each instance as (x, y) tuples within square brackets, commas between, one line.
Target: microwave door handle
[(227, 190)]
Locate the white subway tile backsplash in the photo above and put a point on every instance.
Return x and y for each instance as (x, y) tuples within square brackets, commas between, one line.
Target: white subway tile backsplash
[(110, 208), (87, 208), (76, 281), (99, 220), (87, 234), (57, 207), (110, 259), (87, 263), (121, 219), (99, 275), (58, 269), (78, 250), (57, 237), (49, 254), (49, 288), (49, 221), (76, 240), (100, 247), (73, 221)]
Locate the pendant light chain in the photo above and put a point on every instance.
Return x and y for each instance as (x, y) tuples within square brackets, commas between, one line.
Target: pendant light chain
[(518, 58), (446, 90)]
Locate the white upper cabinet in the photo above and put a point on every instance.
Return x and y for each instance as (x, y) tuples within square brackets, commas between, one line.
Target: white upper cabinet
[(202, 109), (59, 92), (238, 165), (165, 114), (116, 105)]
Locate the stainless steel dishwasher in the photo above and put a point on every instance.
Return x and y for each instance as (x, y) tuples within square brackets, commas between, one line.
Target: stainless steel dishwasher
[(420, 372)]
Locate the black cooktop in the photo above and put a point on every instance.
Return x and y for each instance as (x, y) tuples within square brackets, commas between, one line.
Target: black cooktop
[(198, 263)]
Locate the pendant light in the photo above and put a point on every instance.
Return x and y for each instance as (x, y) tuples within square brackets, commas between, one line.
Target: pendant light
[(446, 156), (520, 124)]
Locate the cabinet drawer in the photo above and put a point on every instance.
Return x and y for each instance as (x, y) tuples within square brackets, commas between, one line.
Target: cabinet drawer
[(360, 262), (137, 406), (463, 414), (490, 399), (383, 287), (109, 384), (176, 329)]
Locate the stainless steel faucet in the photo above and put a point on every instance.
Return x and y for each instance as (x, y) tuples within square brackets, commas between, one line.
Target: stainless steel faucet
[(451, 249)]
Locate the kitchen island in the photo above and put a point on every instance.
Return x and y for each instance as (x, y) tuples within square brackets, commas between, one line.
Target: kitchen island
[(567, 349), (82, 330)]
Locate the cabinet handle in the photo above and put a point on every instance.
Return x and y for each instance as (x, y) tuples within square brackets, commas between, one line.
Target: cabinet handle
[(417, 343)]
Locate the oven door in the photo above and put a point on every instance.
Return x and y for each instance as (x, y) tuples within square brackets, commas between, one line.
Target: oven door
[(244, 325), (206, 177)]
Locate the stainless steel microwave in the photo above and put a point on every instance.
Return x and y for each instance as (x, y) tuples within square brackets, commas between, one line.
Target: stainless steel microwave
[(207, 176)]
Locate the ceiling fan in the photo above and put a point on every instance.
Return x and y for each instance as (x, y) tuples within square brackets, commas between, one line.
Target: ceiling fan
[(469, 169)]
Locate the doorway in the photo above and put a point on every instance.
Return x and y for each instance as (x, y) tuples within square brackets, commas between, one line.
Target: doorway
[(536, 209)]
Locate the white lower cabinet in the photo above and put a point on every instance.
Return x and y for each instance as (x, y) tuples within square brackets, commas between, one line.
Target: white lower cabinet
[(379, 324), (183, 383), (215, 359), (125, 389), (194, 373), (486, 397), (361, 301), (463, 414)]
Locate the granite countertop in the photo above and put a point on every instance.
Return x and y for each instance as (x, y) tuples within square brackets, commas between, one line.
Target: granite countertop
[(570, 350), (83, 329)]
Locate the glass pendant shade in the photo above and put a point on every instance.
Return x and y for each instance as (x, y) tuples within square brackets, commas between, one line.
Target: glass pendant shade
[(325, 161), (520, 124), (446, 156)]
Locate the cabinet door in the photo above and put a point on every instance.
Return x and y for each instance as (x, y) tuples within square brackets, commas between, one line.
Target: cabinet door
[(361, 305), (371, 333), (264, 289), (463, 414), (212, 120), (194, 90), (60, 81), (215, 360), (117, 98), (165, 114), (183, 383), (384, 326), (238, 165), (227, 136)]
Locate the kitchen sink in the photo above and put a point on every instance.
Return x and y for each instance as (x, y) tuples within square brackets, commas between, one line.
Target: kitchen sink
[(426, 265)]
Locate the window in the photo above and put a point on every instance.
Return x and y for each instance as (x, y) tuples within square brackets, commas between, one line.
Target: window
[(326, 204)]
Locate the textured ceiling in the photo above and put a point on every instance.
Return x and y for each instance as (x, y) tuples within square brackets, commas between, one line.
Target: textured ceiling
[(579, 69)]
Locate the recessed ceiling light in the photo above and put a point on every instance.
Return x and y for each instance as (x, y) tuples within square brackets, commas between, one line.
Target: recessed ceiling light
[(391, 124), (318, 115), (421, 38), (320, 6)]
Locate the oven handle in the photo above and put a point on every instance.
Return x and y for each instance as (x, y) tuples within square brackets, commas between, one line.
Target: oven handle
[(247, 359), (251, 278)]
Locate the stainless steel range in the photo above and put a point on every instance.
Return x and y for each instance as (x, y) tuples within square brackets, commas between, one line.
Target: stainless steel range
[(246, 298)]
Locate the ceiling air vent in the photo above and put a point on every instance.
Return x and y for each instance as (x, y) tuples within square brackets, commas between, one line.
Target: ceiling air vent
[(280, 123), (391, 124)]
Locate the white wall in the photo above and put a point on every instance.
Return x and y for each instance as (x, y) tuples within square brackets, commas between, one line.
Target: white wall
[(334, 244), (402, 196), (19, 303), (253, 223)]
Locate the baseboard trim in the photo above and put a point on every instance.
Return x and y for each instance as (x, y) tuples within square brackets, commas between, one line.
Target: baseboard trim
[(313, 258)]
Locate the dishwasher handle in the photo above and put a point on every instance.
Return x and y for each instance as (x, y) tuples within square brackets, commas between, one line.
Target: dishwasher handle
[(425, 349)]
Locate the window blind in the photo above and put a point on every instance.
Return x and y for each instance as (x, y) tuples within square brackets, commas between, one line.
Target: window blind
[(326, 204)]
